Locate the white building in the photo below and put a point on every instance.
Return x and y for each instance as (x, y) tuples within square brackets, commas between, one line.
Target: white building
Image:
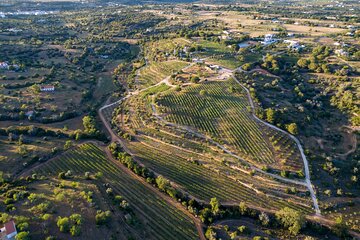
[(294, 45), (8, 231), (4, 65), (269, 39), (198, 60), (47, 88), (341, 52)]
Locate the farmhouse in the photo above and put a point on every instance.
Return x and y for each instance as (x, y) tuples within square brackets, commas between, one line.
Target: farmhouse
[(294, 45), (198, 60), (4, 65), (8, 231), (47, 88), (269, 39), (341, 52)]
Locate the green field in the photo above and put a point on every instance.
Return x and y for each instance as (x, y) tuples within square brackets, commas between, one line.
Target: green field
[(160, 221)]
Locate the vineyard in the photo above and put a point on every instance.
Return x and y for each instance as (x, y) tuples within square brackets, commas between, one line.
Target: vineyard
[(200, 182), (157, 71), (160, 220), (221, 110), (219, 53)]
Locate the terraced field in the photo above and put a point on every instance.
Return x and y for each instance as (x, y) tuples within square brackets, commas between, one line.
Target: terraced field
[(199, 181), (160, 221), (157, 71), (221, 111)]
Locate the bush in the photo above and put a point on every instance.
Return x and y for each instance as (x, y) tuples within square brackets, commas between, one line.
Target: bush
[(76, 219), (75, 230), (210, 234), (63, 224), (102, 217), (23, 226), (22, 236)]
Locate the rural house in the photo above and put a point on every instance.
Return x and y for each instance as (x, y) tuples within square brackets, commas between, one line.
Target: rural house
[(8, 231), (47, 88), (4, 65)]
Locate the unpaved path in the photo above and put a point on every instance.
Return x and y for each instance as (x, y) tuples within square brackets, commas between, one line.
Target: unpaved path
[(303, 156), (114, 138), (307, 181)]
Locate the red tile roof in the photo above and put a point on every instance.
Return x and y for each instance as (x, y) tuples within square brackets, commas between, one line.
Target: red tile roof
[(10, 227)]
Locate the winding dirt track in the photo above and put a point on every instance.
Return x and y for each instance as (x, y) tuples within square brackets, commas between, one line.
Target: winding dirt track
[(303, 156), (307, 181), (114, 138)]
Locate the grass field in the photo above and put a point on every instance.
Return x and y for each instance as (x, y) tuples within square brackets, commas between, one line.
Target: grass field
[(222, 113), (160, 221)]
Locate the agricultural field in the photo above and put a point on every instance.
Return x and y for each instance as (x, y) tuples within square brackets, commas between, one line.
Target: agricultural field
[(183, 120), (221, 111), (157, 71), (187, 170), (157, 219)]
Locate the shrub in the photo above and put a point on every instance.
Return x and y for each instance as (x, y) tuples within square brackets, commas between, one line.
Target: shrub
[(22, 236), (102, 217), (75, 230), (76, 219), (63, 224)]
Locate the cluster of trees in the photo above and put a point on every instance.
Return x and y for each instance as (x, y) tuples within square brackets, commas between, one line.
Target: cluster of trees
[(70, 224), (272, 63), (317, 62)]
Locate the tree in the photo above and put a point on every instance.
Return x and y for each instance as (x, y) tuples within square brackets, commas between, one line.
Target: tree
[(75, 230), (292, 128), (210, 233), (214, 205), (89, 125), (76, 219), (291, 219), (68, 144), (264, 219), (102, 217), (63, 224), (247, 66), (195, 79), (243, 229), (206, 215), (303, 63), (340, 228), (202, 92), (162, 183), (243, 208), (22, 236), (270, 115)]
